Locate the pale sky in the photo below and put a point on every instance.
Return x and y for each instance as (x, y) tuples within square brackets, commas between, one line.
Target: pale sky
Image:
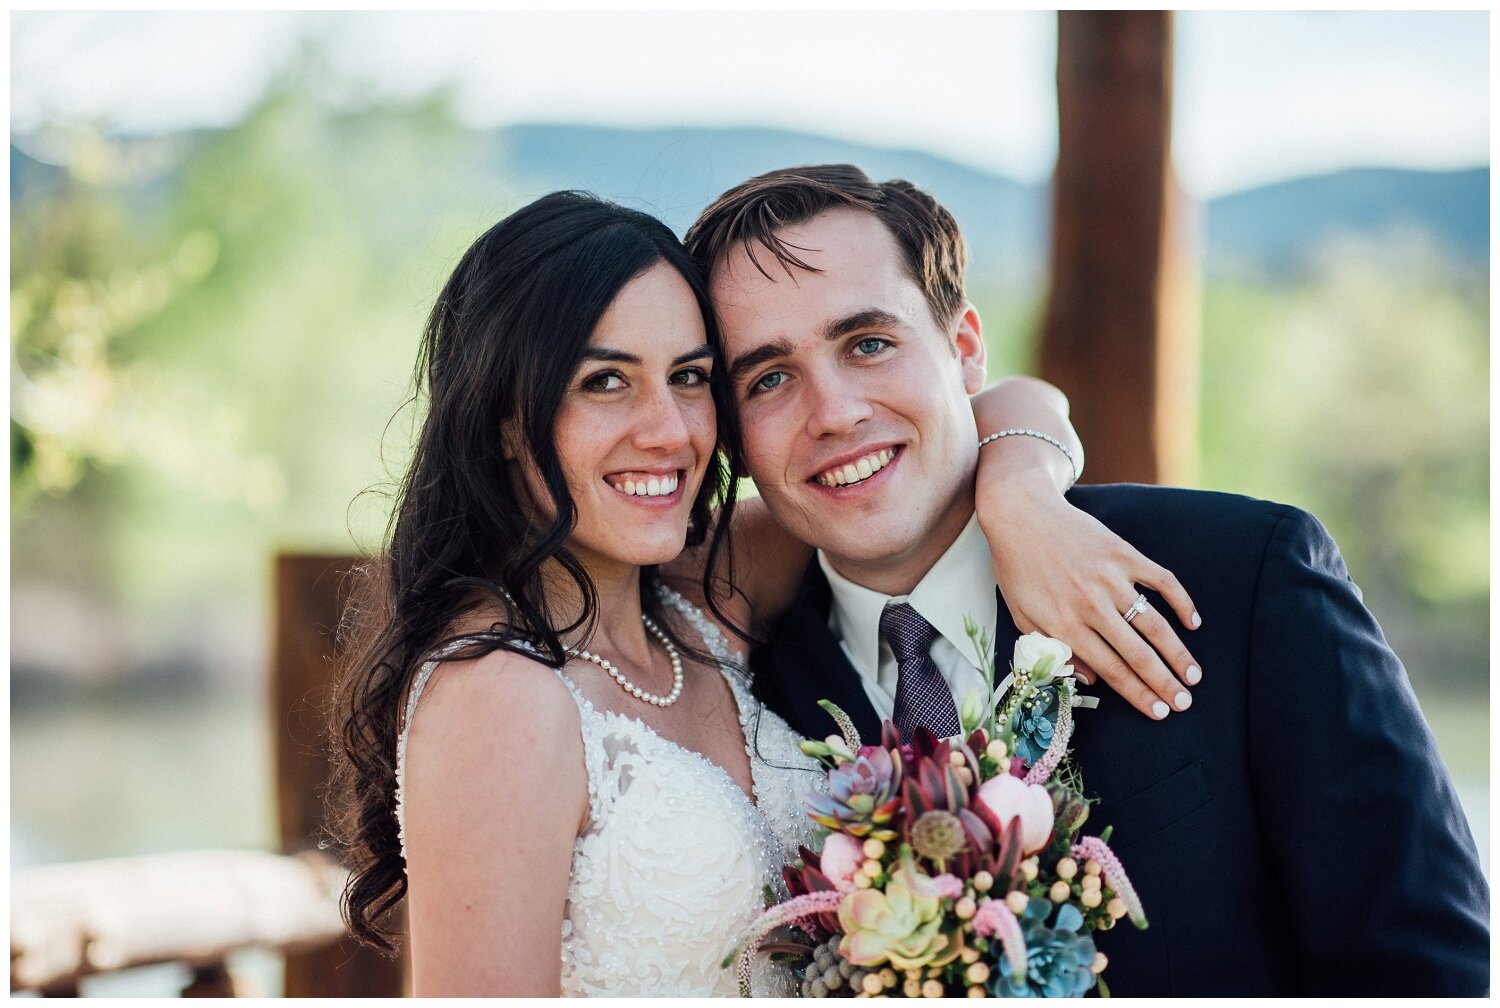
[(1259, 96)]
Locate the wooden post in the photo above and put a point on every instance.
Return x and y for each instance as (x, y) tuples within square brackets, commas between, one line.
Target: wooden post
[(310, 594), (1120, 333)]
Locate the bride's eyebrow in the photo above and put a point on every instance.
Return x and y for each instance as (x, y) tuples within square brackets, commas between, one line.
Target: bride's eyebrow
[(610, 356), (702, 350)]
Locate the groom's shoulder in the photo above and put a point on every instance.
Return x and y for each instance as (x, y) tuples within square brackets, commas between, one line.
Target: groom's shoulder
[(1172, 520), (1127, 499)]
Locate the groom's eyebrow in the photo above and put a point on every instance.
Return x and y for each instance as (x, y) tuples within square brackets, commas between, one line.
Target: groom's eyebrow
[(865, 318), (751, 359)]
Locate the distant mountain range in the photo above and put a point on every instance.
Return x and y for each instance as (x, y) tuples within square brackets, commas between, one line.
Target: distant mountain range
[(674, 173)]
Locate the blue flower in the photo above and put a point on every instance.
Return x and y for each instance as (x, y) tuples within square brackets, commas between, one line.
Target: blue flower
[(1059, 958), (1034, 722)]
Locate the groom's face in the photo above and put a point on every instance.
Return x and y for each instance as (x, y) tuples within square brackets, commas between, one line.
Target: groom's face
[(853, 398)]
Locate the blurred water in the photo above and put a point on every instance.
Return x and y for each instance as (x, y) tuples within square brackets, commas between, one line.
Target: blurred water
[(146, 776)]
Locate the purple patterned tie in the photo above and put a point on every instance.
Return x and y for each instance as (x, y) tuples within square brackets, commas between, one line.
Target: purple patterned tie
[(922, 694)]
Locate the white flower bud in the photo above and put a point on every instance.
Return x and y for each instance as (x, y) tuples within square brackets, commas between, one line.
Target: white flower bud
[(1037, 651), (971, 714)]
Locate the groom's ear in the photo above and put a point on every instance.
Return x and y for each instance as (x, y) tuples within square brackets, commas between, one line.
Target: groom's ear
[(968, 344)]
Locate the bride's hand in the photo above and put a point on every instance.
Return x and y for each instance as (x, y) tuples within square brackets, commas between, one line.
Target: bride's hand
[(1065, 574)]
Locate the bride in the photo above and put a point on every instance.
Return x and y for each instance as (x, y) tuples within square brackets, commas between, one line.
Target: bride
[(550, 754)]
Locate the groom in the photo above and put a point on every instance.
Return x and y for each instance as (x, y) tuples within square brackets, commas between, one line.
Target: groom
[(1295, 832)]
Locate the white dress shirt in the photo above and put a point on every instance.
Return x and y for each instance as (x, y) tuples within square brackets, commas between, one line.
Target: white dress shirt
[(961, 582)]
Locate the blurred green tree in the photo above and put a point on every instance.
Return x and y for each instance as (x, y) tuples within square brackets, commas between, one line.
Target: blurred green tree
[(210, 335), (1359, 390)]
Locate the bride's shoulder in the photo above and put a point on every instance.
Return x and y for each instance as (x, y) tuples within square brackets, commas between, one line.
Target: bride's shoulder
[(485, 731), (505, 691)]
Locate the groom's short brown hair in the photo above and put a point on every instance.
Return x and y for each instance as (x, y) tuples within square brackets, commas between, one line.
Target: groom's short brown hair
[(751, 212)]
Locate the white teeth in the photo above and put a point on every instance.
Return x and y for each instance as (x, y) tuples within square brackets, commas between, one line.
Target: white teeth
[(652, 486), (860, 469)]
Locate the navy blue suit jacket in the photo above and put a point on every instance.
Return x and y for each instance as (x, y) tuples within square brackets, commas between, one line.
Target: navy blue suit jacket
[(1294, 831)]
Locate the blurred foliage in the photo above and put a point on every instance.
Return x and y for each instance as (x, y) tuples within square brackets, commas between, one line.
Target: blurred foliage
[(1358, 389), (209, 338)]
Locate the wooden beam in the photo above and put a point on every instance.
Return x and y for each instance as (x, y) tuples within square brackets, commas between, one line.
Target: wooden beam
[(310, 595), (1120, 335)]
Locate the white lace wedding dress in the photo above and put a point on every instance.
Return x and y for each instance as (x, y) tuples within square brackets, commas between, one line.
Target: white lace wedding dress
[(675, 858)]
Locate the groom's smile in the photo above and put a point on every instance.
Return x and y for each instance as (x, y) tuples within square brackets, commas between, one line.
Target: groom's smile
[(857, 468), (854, 401)]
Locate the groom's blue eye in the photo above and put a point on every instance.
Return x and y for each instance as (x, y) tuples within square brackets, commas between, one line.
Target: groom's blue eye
[(871, 345), (767, 381)]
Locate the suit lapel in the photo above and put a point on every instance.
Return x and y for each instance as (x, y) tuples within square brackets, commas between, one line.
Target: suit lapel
[(1006, 636), (810, 665)]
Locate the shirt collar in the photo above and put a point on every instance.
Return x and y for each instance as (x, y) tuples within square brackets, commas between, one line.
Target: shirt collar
[(962, 582)]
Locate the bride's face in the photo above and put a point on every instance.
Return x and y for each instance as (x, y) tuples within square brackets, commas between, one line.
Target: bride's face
[(636, 428)]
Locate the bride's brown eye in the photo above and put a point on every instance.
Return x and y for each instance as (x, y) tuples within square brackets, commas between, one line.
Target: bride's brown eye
[(692, 376), (609, 381)]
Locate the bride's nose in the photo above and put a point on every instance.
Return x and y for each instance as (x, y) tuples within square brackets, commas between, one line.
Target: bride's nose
[(659, 422)]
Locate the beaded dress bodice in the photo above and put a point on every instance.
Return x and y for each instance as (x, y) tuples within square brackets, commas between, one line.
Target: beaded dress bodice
[(674, 860)]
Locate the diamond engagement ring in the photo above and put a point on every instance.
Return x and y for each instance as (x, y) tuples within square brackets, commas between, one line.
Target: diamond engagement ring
[(1136, 608)]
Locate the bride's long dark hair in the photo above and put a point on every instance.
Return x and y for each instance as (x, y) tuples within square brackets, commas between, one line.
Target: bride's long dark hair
[(503, 340)]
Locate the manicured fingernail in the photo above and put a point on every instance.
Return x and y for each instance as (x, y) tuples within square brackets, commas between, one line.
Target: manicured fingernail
[(1184, 700), (1160, 709), (1194, 673), (1197, 621)]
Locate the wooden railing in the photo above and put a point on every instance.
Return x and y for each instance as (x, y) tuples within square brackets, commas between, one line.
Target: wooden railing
[(72, 921)]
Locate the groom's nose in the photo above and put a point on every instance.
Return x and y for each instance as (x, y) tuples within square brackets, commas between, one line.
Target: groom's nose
[(835, 404)]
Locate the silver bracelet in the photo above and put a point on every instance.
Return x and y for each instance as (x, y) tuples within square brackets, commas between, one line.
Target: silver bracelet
[(1028, 432)]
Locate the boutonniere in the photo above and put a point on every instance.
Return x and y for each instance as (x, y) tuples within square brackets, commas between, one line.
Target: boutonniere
[(1039, 693)]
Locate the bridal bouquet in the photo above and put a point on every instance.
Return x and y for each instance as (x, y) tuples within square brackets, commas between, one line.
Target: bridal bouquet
[(956, 867)]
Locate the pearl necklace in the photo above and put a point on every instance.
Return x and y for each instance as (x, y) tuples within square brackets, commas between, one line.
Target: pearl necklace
[(632, 688)]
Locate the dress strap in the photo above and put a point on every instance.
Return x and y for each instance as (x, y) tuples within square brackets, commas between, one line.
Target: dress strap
[(713, 638)]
